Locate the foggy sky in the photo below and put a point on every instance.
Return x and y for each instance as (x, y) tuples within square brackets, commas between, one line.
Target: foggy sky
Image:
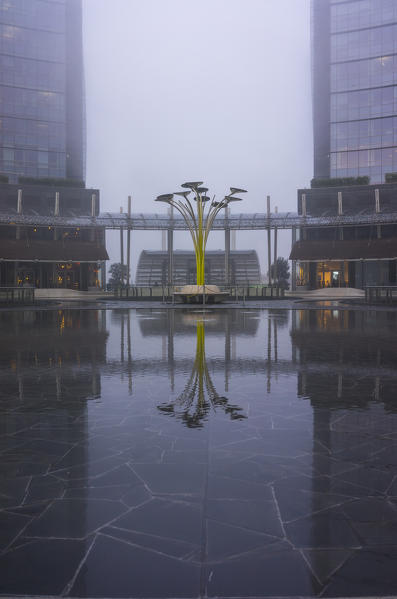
[(210, 90)]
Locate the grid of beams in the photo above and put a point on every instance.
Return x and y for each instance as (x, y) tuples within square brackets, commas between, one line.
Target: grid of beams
[(243, 221)]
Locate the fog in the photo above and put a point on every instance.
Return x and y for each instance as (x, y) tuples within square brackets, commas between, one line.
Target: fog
[(210, 90)]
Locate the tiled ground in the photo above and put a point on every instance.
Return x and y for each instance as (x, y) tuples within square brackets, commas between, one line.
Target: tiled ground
[(102, 495)]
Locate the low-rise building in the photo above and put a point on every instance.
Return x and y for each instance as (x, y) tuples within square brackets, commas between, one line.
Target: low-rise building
[(347, 256), (49, 256), (153, 267)]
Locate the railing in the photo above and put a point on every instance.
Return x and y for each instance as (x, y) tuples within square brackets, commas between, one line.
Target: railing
[(16, 295), (380, 294), (165, 292)]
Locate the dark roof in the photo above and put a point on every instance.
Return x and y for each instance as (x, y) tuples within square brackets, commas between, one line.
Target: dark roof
[(357, 249), (371, 187), (51, 251)]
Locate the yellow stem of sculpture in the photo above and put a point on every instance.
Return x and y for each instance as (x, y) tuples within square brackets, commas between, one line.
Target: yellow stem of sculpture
[(200, 246), (200, 362)]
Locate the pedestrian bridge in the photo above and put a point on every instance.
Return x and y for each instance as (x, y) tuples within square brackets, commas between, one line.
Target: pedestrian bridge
[(158, 222)]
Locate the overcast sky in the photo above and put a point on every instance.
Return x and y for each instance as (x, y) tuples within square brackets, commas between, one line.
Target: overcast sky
[(210, 90)]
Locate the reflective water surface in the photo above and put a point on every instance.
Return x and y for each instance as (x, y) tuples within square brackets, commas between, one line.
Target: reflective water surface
[(173, 453)]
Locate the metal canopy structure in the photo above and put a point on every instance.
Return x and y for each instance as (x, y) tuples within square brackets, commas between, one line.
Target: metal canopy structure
[(158, 222)]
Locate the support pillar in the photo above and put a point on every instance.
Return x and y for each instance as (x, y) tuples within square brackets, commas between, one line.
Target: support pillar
[(340, 203), (269, 249), (377, 211), (103, 274), (122, 250), (129, 244), (56, 213), (93, 215), (129, 354), (19, 211), (340, 213), (170, 248), (227, 354), (275, 274), (233, 240), (293, 273), (269, 355), (56, 208), (170, 348), (227, 254), (19, 202), (122, 338)]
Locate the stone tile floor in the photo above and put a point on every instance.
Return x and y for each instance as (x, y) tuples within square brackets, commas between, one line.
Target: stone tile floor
[(103, 496), (157, 514)]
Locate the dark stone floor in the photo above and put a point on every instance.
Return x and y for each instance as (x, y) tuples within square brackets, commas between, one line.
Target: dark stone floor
[(103, 493)]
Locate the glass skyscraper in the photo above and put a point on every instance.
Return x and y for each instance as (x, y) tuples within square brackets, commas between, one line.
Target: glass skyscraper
[(42, 132), (354, 69), (42, 149)]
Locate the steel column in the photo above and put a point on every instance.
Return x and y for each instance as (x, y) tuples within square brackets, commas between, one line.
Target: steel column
[(293, 274), (129, 245), (170, 247), (227, 256), (122, 251), (269, 248)]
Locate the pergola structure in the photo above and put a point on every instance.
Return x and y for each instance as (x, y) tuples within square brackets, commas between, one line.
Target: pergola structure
[(267, 221)]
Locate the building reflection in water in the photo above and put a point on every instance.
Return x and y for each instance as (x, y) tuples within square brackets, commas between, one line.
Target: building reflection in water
[(50, 363), (305, 409), (54, 354), (348, 355), (346, 368), (199, 395)]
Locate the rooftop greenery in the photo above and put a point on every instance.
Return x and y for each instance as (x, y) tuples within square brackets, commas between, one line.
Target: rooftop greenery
[(51, 181)]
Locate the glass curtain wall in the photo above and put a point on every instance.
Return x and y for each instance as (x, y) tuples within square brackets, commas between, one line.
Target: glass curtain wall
[(41, 89), (363, 88)]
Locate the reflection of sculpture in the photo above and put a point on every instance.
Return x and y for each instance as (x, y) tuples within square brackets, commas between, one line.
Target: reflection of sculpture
[(199, 395)]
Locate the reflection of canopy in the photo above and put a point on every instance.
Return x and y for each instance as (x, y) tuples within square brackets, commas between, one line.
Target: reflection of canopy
[(199, 395), (157, 322)]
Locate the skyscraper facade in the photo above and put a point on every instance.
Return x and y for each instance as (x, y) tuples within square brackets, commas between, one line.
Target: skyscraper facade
[(354, 84), (354, 76), (42, 132), (42, 149)]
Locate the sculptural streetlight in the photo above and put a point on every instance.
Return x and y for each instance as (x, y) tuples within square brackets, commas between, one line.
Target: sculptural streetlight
[(200, 219)]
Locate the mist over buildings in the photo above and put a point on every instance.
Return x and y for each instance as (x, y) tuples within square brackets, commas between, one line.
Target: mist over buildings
[(216, 90)]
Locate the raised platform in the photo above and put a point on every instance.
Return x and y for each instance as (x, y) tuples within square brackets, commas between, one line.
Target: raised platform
[(193, 294)]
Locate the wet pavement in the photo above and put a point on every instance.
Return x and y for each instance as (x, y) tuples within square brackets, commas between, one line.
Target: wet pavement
[(176, 453)]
